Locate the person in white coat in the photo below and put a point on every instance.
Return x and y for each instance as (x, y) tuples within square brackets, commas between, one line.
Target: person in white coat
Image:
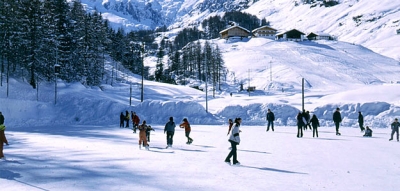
[(234, 139)]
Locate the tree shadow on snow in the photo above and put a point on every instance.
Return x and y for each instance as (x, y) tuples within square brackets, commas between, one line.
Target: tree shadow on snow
[(272, 169)]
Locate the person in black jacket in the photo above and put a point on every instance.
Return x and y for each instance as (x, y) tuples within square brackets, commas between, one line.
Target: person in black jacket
[(361, 121), (121, 120), (300, 125), (337, 118), (315, 124), (270, 119)]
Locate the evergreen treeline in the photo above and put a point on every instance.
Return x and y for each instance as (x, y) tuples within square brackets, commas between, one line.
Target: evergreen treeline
[(37, 34)]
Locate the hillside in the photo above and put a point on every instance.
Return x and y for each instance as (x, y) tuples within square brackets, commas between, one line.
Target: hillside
[(337, 74), (369, 23)]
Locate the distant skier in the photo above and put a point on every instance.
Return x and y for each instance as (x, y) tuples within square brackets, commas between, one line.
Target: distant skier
[(170, 130), (395, 129), (230, 123), (127, 118), (300, 124), (142, 135), (135, 121), (187, 127), (337, 118), (234, 139), (315, 124), (3, 138), (270, 119), (121, 120), (361, 121), (368, 132)]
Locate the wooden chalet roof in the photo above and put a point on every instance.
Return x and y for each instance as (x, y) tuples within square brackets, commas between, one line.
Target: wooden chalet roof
[(234, 27), (264, 28), (294, 33)]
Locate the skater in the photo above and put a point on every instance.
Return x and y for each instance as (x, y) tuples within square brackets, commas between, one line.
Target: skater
[(270, 119), (187, 127), (135, 121), (127, 118), (148, 133), (395, 129), (3, 138), (230, 123), (121, 120), (337, 118), (308, 117), (361, 121), (170, 130), (142, 135), (368, 132), (300, 124), (234, 139), (315, 124)]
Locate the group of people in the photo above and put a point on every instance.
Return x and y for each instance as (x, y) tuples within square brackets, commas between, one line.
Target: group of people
[(169, 129), (304, 121), (144, 129), (125, 119)]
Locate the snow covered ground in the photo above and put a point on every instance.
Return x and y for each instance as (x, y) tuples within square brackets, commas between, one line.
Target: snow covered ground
[(76, 143), (108, 158)]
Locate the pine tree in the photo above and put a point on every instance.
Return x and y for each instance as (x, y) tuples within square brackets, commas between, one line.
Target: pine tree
[(160, 66)]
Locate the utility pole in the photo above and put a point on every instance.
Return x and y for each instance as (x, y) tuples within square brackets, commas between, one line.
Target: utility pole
[(302, 93), (248, 88), (205, 58), (270, 71), (142, 55)]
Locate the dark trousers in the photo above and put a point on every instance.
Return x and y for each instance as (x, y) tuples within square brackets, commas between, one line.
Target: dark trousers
[(170, 136), (315, 131), (395, 130), (187, 133), (270, 123), (148, 136), (121, 123), (127, 123), (361, 126), (337, 125), (135, 126), (300, 130), (232, 153)]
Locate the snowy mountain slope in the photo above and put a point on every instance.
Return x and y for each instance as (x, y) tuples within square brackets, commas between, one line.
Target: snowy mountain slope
[(337, 74), (368, 22)]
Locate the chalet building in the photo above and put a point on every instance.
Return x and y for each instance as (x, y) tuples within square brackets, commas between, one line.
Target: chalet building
[(234, 31), (292, 35), (319, 36), (265, 32)]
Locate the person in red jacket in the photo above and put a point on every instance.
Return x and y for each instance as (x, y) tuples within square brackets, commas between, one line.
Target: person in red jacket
[(186, 125), (135, 121)]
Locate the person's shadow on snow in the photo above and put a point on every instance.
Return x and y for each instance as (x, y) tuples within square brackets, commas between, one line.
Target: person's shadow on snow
[(272, 169), (9, 175)]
